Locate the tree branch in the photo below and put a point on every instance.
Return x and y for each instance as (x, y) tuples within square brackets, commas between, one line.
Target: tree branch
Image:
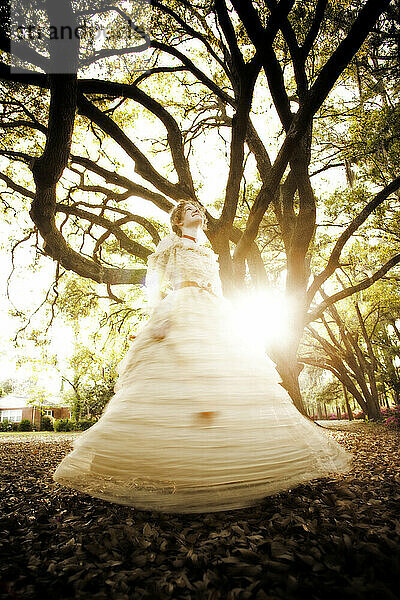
[(328, 75), (333, 261), (362, 285), (314, 29), (22, 123), (16, 187), (198, 74), (174, 133), (48, 169), (142, 165), (236, 58), (195, 34), (121, 181), (126, 243)]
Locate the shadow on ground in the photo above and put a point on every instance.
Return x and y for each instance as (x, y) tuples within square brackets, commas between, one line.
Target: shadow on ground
[(329, 539)]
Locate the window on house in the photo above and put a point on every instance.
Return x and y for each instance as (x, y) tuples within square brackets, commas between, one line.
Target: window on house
[(11, 415), (49, 413)]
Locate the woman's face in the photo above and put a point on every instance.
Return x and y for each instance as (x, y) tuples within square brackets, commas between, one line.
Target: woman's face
[(191, 216)]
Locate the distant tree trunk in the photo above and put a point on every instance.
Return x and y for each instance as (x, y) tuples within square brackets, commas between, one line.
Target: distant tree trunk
[(349, 363), (385, 395), (348, 407), (371, 366)]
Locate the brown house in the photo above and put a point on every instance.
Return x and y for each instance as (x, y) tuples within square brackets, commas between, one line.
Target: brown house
[(15, 408)]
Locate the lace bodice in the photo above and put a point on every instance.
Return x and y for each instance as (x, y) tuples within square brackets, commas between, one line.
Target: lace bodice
[(177, 260)]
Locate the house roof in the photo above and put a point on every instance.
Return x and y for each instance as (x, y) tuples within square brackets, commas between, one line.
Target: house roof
[(15, 401)]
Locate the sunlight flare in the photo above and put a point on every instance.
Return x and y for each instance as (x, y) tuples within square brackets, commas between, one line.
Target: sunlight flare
[(263, 316)]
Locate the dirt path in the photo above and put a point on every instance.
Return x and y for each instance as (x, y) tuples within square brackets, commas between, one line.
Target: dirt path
[(330, 539)]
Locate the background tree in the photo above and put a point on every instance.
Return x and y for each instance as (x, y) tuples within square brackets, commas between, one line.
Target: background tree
[(6, 387), (92, 383), (356, 345)]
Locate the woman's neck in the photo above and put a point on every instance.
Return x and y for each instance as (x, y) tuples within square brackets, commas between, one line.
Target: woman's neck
[(192, 233), (189, 237)]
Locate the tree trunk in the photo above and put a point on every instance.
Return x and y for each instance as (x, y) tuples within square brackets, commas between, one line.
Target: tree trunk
[(373, 408), (289, 370), (348, 407)]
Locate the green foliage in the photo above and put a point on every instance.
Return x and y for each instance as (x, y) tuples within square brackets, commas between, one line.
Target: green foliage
[(77, 298), (97, 397), (73, 425), (63, 425), (6, 387), (94, 377), (46, 424), (85, 424), (317, 388), (345, 204), (7, 425), (331, 393), (37, 395), (375, 141), (25, 425)]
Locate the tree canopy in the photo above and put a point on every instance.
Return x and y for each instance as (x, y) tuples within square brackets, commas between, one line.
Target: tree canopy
[(88, 148)]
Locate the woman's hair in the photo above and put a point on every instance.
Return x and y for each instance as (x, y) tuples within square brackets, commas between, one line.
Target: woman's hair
[(176, 215)]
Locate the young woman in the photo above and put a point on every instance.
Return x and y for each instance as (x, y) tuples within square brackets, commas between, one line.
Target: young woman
[(199, 421)]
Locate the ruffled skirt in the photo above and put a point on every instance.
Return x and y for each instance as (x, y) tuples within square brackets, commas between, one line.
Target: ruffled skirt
[(199, 421)]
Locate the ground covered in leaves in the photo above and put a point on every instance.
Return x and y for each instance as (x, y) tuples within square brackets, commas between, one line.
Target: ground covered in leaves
[(329, 539)]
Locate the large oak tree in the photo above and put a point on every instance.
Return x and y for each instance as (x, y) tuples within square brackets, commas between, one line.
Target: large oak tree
[(213, 55)]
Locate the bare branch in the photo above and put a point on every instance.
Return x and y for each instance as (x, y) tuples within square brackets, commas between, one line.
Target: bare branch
[(142, 165), (174, 133), (108, 53), (327, 77), (198, 74), (126, 243), (314, 29), (362, 285), (22, 123), (20, 156), (113, 296), (121, 181), (16, 187), (333, 262), (192, 32), (236, 58)]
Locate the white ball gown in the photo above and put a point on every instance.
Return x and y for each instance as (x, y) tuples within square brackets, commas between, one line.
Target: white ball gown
[(199, 421)]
